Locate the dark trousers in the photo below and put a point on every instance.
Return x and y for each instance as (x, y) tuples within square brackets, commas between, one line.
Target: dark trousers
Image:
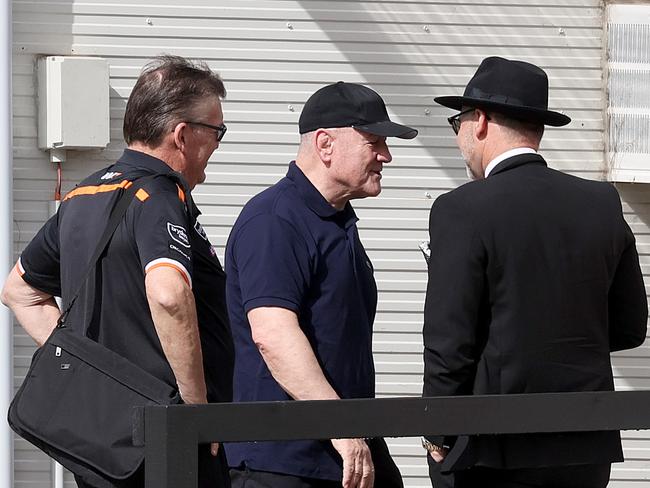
[(213, 473), (387, 474), (246, 478), (583, 476)]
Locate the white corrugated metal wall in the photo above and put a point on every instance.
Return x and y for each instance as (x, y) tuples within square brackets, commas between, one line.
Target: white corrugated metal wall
[(272, 55)]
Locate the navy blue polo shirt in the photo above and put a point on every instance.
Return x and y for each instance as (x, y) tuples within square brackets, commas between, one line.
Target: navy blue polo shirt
[(160, 228), (290, 248)]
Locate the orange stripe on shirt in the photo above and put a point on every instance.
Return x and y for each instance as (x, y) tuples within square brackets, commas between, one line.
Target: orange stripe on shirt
[(170, 265), (93, 190), (181, 194), (19, 269)]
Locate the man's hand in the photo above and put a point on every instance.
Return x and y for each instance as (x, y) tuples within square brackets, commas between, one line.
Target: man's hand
[(437, 453), (214, 449), (358, 470), (438, 456)]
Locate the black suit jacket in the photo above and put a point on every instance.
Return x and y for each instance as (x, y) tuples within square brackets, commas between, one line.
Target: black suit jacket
[(533, 279)]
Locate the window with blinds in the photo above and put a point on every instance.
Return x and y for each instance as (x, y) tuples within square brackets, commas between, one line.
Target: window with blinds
[(628, 60)]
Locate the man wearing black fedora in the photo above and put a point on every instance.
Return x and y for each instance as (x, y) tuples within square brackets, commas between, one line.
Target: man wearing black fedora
[(534, 279)]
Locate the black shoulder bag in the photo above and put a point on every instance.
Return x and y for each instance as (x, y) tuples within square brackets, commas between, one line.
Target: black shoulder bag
[(77, 401)]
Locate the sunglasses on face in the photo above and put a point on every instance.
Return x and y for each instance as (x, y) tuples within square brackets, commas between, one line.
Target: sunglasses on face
[(220, 130), (454, 120)]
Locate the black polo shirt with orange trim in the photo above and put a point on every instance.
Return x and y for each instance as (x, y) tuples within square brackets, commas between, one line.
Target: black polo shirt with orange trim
[(160, 228)]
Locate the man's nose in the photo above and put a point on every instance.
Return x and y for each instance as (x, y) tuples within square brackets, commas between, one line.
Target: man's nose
[(385, 155)]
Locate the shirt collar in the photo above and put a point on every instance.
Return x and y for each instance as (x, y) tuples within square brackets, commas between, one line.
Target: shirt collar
[(508, 154), (140, 160), (316, 201)]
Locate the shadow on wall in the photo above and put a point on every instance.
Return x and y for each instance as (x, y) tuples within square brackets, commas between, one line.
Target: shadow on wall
[(412, 52), (393, 51)]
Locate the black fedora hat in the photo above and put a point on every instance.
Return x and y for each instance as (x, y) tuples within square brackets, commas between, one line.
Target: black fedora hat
[(514, 88), (350, 105)]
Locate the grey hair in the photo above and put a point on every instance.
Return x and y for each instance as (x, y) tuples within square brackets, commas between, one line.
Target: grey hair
[(169, 90)]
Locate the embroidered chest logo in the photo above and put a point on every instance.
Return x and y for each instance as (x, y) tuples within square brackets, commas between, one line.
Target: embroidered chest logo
[(199, 230), (179, 234)]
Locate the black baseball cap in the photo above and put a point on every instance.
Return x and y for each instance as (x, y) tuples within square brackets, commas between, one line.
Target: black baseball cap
[(350, 105)]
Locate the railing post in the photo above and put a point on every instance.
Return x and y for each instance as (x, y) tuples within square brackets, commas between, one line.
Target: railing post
[(171, 449)]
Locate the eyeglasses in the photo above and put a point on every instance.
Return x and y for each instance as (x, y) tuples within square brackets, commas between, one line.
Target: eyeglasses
[(454, 120), (220, 130)]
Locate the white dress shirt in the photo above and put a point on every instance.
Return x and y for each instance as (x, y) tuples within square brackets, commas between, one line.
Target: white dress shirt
[(508, 154)]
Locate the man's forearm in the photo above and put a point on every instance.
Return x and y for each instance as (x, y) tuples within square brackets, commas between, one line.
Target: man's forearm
[(293, 364), (288, 354), (174, 315), (39, 320), (36, 311)]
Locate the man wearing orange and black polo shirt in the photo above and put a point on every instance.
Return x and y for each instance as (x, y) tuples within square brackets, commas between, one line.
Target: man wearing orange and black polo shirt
[(159, 285)]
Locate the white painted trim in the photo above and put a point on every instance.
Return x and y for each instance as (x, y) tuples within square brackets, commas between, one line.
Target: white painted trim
[(628, 14)]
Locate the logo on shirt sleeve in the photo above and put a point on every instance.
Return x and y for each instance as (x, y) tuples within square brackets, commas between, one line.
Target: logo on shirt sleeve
[(179, 251), (179, 234)]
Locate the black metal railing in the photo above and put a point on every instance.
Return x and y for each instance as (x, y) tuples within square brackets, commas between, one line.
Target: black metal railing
[(171, 434)]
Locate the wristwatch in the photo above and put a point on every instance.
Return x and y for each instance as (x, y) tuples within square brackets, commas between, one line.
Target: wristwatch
[(431, 447)]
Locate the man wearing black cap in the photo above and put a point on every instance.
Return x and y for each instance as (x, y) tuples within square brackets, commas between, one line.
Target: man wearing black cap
[(302, 297), (534, 279)]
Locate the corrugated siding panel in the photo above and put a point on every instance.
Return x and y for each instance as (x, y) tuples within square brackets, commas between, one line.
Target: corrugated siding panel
[(273, 55)]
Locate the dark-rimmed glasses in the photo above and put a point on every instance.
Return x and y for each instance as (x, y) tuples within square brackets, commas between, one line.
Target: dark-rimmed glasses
[(454, 120), (220, 130)]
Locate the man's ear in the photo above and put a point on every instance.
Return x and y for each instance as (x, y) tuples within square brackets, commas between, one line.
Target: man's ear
[(324, 144), (481, 127), (180, 135)]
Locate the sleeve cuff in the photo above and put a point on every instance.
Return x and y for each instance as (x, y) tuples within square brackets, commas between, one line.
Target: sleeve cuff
[(270, 302), (171, 263)]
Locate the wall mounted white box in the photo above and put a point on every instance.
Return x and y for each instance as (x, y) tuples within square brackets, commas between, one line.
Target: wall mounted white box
[(73, 102)]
